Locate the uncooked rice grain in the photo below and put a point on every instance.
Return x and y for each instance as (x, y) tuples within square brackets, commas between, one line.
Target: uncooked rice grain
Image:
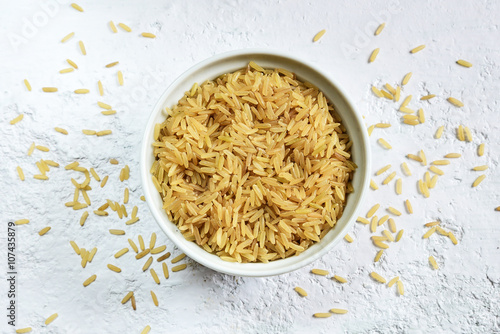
[(480, 168), (20, 173), (82, 48), (322, 315), (418, 48), (319, 35), (49, 89), (464, 63), (374, 224), (406, 78), (124, 27), (179, 267), (77, 7), (372, 210), (117, 232), (67, 37), (401, 289), (389, 178), (373, 55), (377, 277), (165, 269), (113, 27), (89, 280), (320, 272), (259, 121), (27, 84), (394, 211), (379, 29), (427, 97), (393, 281), (51, 318), (383, 169), (22, 221), (348, 238), (378, 256), (148, 35), (455, 102), (338, 311), (114, 268), (146, 330), (433, 262), (480, 150), (127, 297), (377, 92), (478, 180), (120, 78), (44, 230), (112, 64), (17, 119), (301, 291), (23, 330), (121, 252), (363, 220), (103, 183), (142, 254), (405, 169), (392, 225), (155, 299), (399, 186), (373, 185)]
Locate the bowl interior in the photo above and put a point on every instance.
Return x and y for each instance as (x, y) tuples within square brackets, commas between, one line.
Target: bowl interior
[(229, 62)]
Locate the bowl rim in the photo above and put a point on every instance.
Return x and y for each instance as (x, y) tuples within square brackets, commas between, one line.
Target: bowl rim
[(244, 269)]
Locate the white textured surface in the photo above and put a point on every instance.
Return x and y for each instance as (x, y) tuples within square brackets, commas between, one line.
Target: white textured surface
[(463, 296)]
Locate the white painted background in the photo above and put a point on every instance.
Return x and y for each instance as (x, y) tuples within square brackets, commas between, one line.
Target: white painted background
[(461, 297)]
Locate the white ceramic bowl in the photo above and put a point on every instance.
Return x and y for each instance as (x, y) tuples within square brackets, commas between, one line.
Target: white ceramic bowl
[(229, 62)]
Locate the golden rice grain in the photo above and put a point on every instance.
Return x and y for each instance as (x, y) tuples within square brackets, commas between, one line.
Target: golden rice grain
[(427, 97), (405, 102), (387, 95), (320, 272), (440, 162), (142, 254), (319, 35), (301, 291), (421, 116), (394, 211), (165, 269), (433, 262), (372, 210), (378, 256), (61, 130), (399, 186), (148, 35), (377, 92), (401, 289), (338, 311), (22, 221), (464, 63), (383, 169), (104, 105), (455, 102), (179, 267), (20, 173), (373, 55), (379, 29), (77, 7), (132, 301), (429, 232), (406, 78), (88, 132), (155, 299), (17, 119), (389, 178), (108, 112), (121, 252), (114, 268), (480, 150), (399, 235), (27, 84), (478, 180), (377, 277), (112, 64), (348, 238), (72, 63), (127, 297), (393, 281), (397, 96), (392, 225), (408, 206), (147, 264), (23, 330), (117, 232), (363, 220), (158, 249), (178, 258), (89, 280), (322, 315), (453, 155), (468, 134), (141, 242), (452, 238), (388, 235), (417, 49), (374, 224), (51, 318), (480, 168), (405, 169), (113, 27), (133, 245), (103, 133), (44, 230), (124, 27), (103, 183), (383, 125), (373, 185), (82, 91), (120, 78), (82, 48), (380, 244), (49, 89), (146, 330), (67, 37), (339, 279), (40, 177)]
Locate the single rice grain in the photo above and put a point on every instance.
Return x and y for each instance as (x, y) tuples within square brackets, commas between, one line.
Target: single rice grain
[(319, 35), (301, 291), (377, 277)]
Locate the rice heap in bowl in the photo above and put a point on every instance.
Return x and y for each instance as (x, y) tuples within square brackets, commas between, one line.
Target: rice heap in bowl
[(253, 166)]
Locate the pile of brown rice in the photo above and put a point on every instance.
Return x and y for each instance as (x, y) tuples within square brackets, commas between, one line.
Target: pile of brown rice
[(253, 166)]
